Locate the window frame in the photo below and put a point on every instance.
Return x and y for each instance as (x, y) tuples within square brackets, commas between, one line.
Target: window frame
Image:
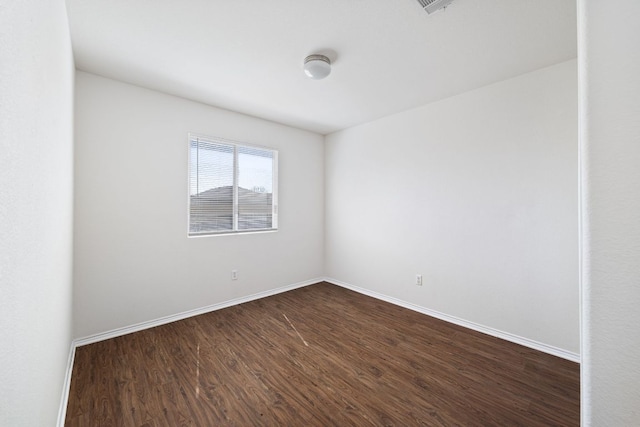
[(191, 136)]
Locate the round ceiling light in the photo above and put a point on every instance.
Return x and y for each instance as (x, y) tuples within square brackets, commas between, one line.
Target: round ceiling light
[(317, 66)]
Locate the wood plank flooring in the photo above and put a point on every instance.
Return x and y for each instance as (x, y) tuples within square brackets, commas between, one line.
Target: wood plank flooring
[(318, 356)]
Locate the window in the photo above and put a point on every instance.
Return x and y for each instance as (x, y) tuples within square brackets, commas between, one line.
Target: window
[(232, 187)]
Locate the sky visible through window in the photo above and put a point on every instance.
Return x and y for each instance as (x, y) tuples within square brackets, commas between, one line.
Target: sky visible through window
[(255, 167)]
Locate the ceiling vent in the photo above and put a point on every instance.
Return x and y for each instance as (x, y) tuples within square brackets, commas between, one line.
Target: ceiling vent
[(434, 5)]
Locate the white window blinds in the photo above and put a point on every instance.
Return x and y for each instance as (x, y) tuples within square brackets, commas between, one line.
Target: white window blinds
[(232, 187)]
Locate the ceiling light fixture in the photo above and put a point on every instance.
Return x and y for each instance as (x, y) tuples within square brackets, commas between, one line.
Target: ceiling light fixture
[(317, 66)]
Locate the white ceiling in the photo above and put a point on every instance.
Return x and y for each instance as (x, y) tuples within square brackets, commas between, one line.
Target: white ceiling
[(388, 55)]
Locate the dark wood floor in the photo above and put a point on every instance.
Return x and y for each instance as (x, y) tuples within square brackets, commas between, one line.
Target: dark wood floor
[(318, 356)]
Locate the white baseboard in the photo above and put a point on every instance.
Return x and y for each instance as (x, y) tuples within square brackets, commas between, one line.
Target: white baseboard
[(186, 314), (555, 351), (62, 412)]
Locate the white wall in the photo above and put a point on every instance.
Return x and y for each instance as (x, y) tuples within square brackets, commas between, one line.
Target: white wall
[(133, 260), (478, 193), (36, 193), (610, 149)]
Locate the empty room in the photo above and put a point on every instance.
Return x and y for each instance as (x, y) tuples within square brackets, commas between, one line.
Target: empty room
[(408, 212)]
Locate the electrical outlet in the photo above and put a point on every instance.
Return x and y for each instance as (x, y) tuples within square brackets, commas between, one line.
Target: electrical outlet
[(234, 274), (419, 279)]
